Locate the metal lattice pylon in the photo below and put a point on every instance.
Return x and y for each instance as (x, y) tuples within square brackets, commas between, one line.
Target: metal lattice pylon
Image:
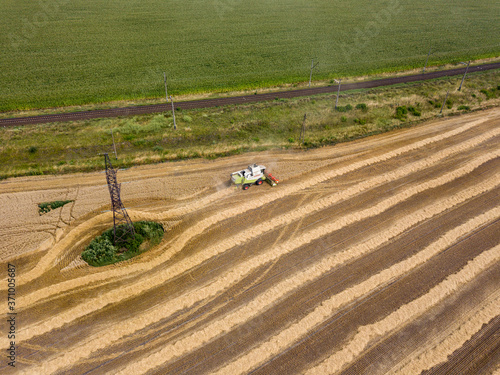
[(120, 215)]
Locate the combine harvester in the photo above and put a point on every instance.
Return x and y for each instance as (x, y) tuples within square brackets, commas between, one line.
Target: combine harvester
[(253, 175)]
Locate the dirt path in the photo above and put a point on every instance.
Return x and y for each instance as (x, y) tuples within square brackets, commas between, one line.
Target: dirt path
[(387, 242)]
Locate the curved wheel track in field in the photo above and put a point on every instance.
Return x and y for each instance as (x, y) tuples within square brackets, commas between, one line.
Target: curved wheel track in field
[(288, 245), (341, 262), (48, 260), (306, 210), (272, 295)]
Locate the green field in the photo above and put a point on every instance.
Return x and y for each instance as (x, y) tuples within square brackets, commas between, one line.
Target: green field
[(57, 53)]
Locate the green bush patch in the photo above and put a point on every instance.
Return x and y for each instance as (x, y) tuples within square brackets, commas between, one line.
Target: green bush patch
[(490, 94), (45, 207), (401, 113), (414, 111), (346, 108), (102, 251)]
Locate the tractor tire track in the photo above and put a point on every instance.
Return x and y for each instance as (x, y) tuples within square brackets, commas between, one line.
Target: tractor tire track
[(238, 317), (461, 332), (271, 348), (79, 231), (276, 252), (356, 230), (408, 312)]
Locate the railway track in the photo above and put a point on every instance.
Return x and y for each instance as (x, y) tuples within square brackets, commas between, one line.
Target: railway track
[(207, 103)]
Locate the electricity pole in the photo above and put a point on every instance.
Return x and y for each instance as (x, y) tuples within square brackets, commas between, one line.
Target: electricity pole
[(120, 215), (114, 146), (445, 99), (303, 130), (165, 80), (463, 78), (425, 66), (312, 67), (173, 111), (338, 92)]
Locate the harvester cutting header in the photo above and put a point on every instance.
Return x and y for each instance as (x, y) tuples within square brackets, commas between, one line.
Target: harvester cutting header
[(253, 175)]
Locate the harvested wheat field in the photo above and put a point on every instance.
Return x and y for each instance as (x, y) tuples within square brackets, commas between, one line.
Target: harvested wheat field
[(380, 256)]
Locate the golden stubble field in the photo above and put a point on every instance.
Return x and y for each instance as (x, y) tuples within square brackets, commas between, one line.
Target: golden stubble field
[(377, 256)]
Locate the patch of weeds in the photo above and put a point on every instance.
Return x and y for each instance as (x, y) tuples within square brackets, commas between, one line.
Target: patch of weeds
[(401, 113), (345, 108), (360, 121), (291, 140), (45, 207), (34, 172), (414, 111), (362, 106), (32, 149), (490, 94), (103, 251), (464, 108), (157, 123), (129, 128), (128, 137), (435, 104), (309, 144), (158, 148), (343, 119), (383, 123)]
